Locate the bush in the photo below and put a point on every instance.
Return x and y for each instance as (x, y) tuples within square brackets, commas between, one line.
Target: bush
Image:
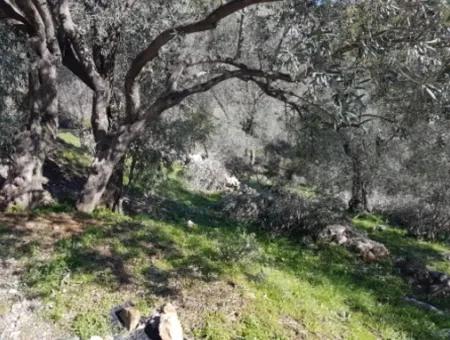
[(282, 212), (427, 218), (208, 175), (242, 247)]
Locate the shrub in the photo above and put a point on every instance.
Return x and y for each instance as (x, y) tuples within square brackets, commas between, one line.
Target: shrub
[(282, 212), (427, 218), (241, 247)]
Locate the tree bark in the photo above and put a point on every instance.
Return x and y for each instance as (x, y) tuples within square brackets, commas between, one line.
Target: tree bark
[(111, 198), (105, 167), (358, 201), (25, 185), (102, 124), (101, 171)]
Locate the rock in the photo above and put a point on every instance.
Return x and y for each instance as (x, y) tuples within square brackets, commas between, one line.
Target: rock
[(369, 256), (299, 180), (170, 326), (423, 305), (342, 240), (344, 235), (129, 317), (446, 257), (191, 224), (232, 181), (381, 227), (423, 280), (164, 325)]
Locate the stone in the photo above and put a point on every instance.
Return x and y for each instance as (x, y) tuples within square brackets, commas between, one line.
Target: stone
[(446, 257), (129, 317), (347, 236), (169, 325), (422, 279), (164, 325), (381, 227)]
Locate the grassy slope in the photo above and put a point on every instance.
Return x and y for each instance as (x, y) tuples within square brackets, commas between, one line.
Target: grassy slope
[(228, 282)]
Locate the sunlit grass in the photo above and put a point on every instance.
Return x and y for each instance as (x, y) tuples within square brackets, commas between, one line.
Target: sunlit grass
[(70, 138)]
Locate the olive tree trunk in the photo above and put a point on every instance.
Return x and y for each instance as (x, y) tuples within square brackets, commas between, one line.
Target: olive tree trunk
[(106, 170), (101, 172), (112, 197), (25, 185), (103, 122), (358, 202)]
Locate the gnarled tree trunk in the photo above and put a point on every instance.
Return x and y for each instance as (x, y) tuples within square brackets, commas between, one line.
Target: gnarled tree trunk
[(101, 172), (103, 122), (106, 166), (112, 197), (25, 185)]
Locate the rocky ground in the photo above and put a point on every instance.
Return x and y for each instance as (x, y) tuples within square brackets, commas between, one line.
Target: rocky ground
[(20, 316)]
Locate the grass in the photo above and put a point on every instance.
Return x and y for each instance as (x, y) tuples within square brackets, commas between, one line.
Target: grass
[(71, 153), (70, 139), (229, 281)]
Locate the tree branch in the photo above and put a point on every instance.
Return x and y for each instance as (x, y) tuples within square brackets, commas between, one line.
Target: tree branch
[(152, 50), (9, 11), (80, 49), (244, 73)]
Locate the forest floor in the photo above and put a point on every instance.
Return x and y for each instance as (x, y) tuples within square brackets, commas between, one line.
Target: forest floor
[(62, 273)]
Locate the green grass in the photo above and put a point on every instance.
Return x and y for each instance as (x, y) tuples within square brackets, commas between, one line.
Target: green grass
[(74, 159), (303, 190), (70, 139), (240, 283), (71, 153)]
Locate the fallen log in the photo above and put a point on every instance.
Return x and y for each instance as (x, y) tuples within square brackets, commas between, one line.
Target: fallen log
[(423, 305)]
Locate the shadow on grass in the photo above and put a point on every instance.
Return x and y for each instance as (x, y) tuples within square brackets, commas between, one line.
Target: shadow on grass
[(13, 243), (113, 251)]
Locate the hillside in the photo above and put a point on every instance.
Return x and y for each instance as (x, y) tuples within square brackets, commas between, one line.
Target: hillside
[(228, 280)]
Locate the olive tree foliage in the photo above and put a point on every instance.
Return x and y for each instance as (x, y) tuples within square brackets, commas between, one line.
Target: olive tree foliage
[(369, 70), (171, 139)]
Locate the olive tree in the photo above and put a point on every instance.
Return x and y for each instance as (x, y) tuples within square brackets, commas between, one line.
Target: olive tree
[(95, 36), (370, 70)]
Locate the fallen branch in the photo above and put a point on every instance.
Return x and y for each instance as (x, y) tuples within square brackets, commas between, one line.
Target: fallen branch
[(423, 305)]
